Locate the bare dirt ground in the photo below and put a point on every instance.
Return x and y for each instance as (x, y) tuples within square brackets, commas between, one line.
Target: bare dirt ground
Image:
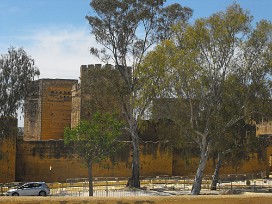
[(250, 198)]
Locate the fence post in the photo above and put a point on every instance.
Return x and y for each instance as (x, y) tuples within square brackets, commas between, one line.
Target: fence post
[(116, 184), (107, 190)]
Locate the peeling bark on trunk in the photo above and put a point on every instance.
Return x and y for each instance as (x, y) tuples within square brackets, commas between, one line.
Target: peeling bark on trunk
[(134, 181), (90, 175), (200, 171), (216, 172)]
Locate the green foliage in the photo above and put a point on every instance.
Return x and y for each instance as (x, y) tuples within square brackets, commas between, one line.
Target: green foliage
[(94, 140), (127, 29), (219, 69), (130, 27), (17, 71)]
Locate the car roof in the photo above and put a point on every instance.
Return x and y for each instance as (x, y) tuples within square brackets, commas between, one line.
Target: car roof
[(41, 182)]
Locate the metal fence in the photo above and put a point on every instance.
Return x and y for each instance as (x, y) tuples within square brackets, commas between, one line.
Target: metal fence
[(160, 185)]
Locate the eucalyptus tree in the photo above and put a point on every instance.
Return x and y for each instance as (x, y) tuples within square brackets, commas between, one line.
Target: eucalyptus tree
[(232, 143), (127, 29), (197, 67), (94, 140), (17, 71)]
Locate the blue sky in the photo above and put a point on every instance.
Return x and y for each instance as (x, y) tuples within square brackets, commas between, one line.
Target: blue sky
[(56, 34)]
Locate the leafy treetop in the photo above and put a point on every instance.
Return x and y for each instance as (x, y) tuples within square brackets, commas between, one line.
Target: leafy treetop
[(17, 71)]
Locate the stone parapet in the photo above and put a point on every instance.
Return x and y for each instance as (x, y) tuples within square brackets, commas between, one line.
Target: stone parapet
[(264, 129)]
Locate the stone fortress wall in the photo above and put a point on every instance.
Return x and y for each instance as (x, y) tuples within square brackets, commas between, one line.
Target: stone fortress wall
[(49, 161), (58, 103), (8, 132)]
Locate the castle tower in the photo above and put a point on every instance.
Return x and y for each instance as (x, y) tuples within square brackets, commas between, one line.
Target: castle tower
[(48, 109), (101, 89)]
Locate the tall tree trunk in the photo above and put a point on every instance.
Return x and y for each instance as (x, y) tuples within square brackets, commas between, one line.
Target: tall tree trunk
[(134, 181), (90, 176), (200, 171), (216, 172)]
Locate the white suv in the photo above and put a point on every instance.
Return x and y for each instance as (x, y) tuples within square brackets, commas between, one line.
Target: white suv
[(30, 189)]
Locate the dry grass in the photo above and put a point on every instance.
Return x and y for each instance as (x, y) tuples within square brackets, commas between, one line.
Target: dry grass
[(252, 198)]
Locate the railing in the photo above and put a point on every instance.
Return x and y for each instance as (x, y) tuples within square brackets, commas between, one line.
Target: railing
[(160, 185)]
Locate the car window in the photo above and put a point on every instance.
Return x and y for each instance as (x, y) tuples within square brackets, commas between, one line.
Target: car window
[(37, 184), (30, 185)]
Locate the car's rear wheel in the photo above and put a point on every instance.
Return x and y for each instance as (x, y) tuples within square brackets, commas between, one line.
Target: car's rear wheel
[(15, 194), (42, 193)]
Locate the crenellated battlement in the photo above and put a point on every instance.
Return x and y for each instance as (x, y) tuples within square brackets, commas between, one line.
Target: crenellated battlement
[(90, 67), (86, 69)]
